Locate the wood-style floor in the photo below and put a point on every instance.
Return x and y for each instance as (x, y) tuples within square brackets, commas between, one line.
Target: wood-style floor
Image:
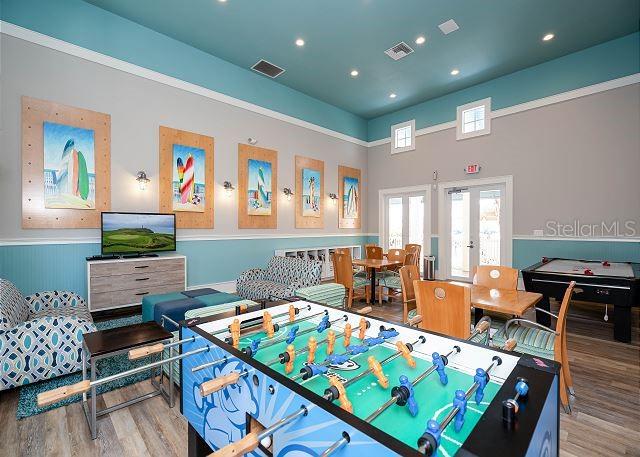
[(605, 419)]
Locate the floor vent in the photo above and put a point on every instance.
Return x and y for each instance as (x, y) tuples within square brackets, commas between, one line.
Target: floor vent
[(267, 68), (399, 51)]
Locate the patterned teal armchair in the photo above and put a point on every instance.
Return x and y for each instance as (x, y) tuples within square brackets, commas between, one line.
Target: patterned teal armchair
[(40, 335), (282, 277)]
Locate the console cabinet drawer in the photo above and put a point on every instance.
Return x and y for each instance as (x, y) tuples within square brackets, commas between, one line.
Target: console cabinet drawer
[(134, 266), (106, 300), (137, 280)]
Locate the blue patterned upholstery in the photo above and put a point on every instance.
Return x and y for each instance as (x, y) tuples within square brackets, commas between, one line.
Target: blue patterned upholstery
[(282, 277), (40, 335)]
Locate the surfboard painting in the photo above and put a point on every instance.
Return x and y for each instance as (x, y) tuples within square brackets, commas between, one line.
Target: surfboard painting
[(351, 198), (188, 179), (310, 192), (69, 167), (259, 188)]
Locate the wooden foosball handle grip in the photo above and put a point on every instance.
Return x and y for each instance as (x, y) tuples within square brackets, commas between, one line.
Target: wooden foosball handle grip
[(214, 385), (247, 444), (138, 353), (55, 395), (482, 327), (365, 310), (510, 345), (415, 320)]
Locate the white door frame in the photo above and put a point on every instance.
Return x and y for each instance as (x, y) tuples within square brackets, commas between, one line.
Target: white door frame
[(382, 226), (444, 247)]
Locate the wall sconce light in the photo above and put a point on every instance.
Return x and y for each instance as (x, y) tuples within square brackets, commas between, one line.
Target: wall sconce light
[(333, 197), (288, 193), (252, 141), (142, 179), (228, 187)]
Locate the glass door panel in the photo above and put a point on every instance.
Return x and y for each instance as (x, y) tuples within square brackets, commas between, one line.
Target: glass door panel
[(395, 222), (489, 237), (460, 235), (416, 220)]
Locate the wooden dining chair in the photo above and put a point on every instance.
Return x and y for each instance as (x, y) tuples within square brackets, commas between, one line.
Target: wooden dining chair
[(538, 340), (414, 249), (445, 308), (371, 251), (496, 277), (389, 278), (355, 286), (408, 274)]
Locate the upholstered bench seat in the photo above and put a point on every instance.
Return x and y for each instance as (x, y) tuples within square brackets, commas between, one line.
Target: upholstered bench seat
[(330, 294)]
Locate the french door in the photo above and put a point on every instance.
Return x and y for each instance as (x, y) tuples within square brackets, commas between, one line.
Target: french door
[(476, 227), (404, 215)]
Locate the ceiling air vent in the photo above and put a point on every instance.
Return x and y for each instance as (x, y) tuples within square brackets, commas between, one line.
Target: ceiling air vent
[(267, 68), (399, 51)]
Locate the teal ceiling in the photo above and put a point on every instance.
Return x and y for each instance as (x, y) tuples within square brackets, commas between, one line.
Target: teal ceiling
[(496, 37)]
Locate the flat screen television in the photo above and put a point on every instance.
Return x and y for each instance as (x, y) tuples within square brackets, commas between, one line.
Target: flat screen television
[(137, 233)]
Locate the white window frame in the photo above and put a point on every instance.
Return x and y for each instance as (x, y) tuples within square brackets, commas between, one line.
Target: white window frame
[(412, 146), (486, 102)]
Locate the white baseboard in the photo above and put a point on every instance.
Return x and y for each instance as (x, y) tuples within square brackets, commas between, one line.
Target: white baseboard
[(228, 286)]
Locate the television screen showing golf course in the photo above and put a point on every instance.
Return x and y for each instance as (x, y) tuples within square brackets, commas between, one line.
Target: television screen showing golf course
[(126, 233)]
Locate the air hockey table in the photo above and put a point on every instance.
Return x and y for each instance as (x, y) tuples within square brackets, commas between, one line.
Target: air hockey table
[(305, 388), (610, 283)]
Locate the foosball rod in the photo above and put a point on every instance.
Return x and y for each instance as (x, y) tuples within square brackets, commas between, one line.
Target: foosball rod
[(257, 323), (394, 399), (399, 353), (270, 343), (60, 393), (281, 357), (424, 444), (335, 447), (145, 351), (251, 440)]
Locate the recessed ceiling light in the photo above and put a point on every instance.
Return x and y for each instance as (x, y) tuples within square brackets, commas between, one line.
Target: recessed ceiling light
[(392, 95), (354, 73), (548, 37), (455, 72), (420, 40), (299, 42), (222, 1)]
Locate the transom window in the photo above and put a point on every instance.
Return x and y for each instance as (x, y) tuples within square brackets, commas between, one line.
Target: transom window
[(403, 137), (474, 119)]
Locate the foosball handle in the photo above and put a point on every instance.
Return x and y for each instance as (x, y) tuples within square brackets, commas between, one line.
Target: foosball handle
[(55, 395), (331, 341), (312, 345), (216, 384), (406, 353), (415, 320), (365, 310), (344, 401), (510, 344), (292, 313), (482, 327), (291, 350), (241, 447), (347, 334), (138, 353), (376, 368)]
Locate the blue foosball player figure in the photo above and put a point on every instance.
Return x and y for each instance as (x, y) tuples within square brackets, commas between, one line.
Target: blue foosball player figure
[(481, 378), (460, 402), (430, 439), (412, 404), (438, 362), (324, 324), (293, 332)]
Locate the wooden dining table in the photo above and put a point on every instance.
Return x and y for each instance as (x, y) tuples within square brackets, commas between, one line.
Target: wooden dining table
[(504, 301), (372, 266)]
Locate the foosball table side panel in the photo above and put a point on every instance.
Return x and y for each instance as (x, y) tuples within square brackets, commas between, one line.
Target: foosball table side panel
[(545, 439), (225, 416)]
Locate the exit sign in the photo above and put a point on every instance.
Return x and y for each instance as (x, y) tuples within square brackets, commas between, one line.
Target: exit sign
[(472, 169)]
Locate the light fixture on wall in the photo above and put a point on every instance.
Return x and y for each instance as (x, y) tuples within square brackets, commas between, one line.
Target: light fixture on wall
[(142, 179), (333, 197), (252, 141), (228, 187), (288, 193)]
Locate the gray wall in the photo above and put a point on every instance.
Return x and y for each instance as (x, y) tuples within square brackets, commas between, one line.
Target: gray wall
[(578, 159), (137, 107)]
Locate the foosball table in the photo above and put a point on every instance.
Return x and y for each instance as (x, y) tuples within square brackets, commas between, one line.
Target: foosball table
[(301, 379)]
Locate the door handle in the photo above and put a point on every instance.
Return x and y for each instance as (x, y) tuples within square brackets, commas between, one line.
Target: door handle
[(470, 245)]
